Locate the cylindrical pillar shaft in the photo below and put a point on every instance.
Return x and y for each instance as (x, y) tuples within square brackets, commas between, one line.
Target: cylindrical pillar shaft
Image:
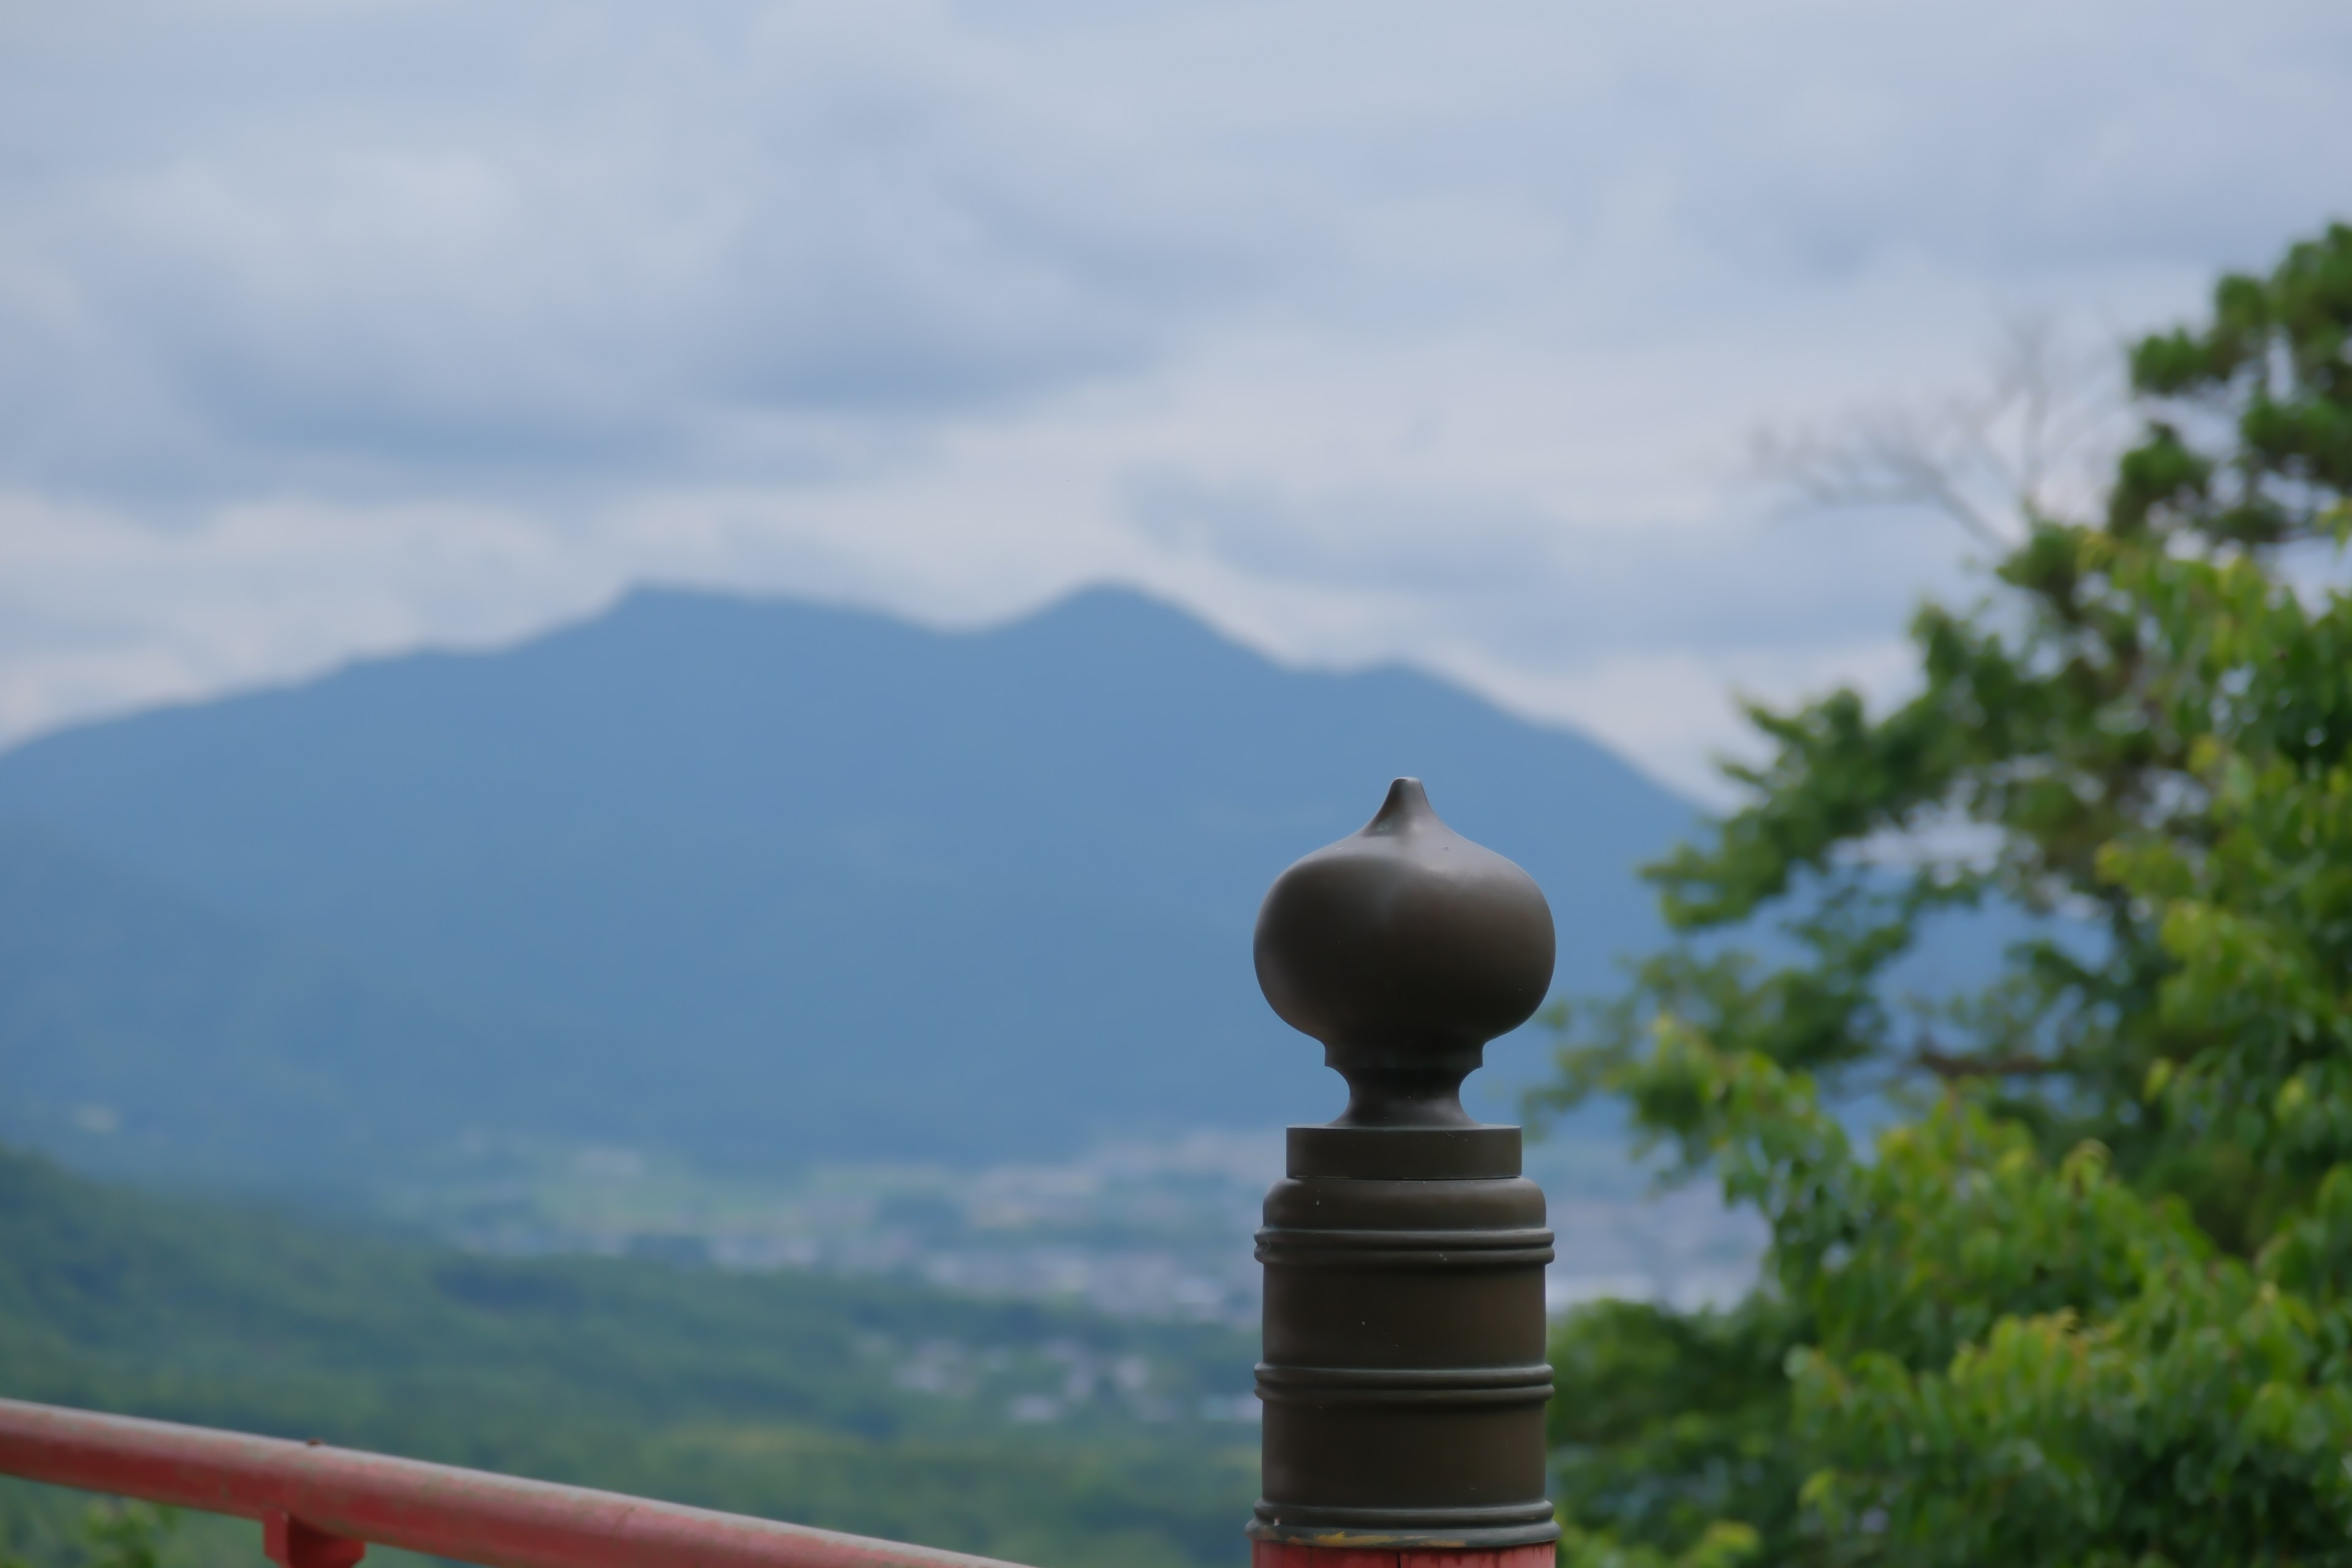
[(1403, 1376)]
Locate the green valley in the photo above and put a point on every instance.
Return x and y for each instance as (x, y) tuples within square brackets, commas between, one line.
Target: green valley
[(1012, 1429)]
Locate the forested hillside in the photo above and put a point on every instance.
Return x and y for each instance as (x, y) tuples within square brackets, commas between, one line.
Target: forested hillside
[(1012, 1430)]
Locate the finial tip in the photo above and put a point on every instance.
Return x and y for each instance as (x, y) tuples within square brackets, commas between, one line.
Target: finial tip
[(1407, 805)]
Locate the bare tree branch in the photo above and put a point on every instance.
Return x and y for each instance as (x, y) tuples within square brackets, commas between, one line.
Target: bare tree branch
[(1952, 1069), (1991, 460)]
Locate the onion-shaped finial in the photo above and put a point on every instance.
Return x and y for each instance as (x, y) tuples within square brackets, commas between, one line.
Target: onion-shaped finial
[(1404, 948)]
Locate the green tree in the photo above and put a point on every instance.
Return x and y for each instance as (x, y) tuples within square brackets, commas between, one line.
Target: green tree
[(2088, 1298), (121, 1534), (114, 1533)]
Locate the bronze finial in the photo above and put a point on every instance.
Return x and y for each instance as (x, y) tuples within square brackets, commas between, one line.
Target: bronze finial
[(1404, 1377)]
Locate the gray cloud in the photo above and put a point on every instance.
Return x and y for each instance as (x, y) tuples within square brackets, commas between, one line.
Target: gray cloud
[(1374, 329), (1539, 589), (593, 240), (543, 235)]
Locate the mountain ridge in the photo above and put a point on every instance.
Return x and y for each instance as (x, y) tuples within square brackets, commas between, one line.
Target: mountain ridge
[(768, 881)]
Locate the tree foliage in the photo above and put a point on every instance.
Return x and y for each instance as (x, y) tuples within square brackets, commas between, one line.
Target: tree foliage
[(114, 1533), (2087, 1299)]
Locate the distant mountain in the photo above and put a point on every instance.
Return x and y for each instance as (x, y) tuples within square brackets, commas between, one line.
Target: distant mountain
[(759, 882), (146, 1032)]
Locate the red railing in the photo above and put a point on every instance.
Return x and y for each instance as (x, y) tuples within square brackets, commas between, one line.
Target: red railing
[(319, 1506)]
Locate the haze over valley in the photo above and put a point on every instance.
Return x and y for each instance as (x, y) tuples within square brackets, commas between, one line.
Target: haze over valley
[(763, 934)]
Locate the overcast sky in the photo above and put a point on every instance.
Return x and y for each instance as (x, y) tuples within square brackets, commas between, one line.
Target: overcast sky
[(1367, 331)]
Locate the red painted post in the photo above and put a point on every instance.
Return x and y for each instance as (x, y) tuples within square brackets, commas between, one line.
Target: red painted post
[(290, 1543), (1286, 1554)]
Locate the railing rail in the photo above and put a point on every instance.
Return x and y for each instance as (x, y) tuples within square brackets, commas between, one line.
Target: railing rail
[(316, 1504)]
